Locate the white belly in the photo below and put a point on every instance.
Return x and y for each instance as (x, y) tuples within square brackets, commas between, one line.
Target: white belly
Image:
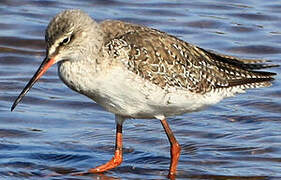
[(124, 93)]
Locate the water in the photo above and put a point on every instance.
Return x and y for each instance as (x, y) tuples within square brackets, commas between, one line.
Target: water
[(55, 130)]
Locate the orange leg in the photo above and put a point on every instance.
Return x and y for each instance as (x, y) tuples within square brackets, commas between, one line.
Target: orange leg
[(114, 162), (118, 157), (174, 150)]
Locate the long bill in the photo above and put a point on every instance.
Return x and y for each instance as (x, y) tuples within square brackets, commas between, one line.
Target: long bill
[(48, 62)]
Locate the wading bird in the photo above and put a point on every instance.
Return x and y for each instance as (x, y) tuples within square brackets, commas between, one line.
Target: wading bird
[(135, 71)]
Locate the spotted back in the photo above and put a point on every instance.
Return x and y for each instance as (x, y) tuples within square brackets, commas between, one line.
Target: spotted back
[(168, 61)]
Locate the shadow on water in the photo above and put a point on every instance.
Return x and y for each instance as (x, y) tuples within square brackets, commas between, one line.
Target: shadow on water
[(55, 131)]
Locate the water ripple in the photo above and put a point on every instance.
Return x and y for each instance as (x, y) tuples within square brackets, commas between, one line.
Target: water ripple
[(55, 131)]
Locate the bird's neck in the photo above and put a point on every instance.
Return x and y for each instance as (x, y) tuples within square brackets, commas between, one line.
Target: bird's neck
[(77, 74)]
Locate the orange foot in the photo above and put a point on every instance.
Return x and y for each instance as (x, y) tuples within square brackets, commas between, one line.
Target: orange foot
[(114, 162)]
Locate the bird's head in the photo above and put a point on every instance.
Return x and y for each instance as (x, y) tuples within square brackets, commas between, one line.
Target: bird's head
[(71, 35)]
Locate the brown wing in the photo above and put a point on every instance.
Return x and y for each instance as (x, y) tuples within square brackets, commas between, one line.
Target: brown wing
[(167, 61), (114, 29)]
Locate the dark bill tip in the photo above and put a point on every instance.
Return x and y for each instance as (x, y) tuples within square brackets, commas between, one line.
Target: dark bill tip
[(41, 70)]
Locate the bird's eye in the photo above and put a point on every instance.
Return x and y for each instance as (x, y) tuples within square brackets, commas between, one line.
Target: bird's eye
[(65, 41)]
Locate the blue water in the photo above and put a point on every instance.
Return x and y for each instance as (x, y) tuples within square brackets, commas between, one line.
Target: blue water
[(57, 131)]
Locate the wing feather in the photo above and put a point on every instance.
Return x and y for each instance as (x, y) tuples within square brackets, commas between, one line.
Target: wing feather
[(168, 61)]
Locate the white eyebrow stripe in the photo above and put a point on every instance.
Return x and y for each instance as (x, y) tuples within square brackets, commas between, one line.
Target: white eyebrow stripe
[(53, 48), (56, 44)]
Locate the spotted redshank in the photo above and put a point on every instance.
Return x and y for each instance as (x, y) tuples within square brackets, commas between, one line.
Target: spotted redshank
[(134, 71)]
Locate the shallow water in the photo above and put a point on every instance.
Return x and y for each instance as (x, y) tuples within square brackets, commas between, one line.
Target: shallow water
[(55, 130)]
